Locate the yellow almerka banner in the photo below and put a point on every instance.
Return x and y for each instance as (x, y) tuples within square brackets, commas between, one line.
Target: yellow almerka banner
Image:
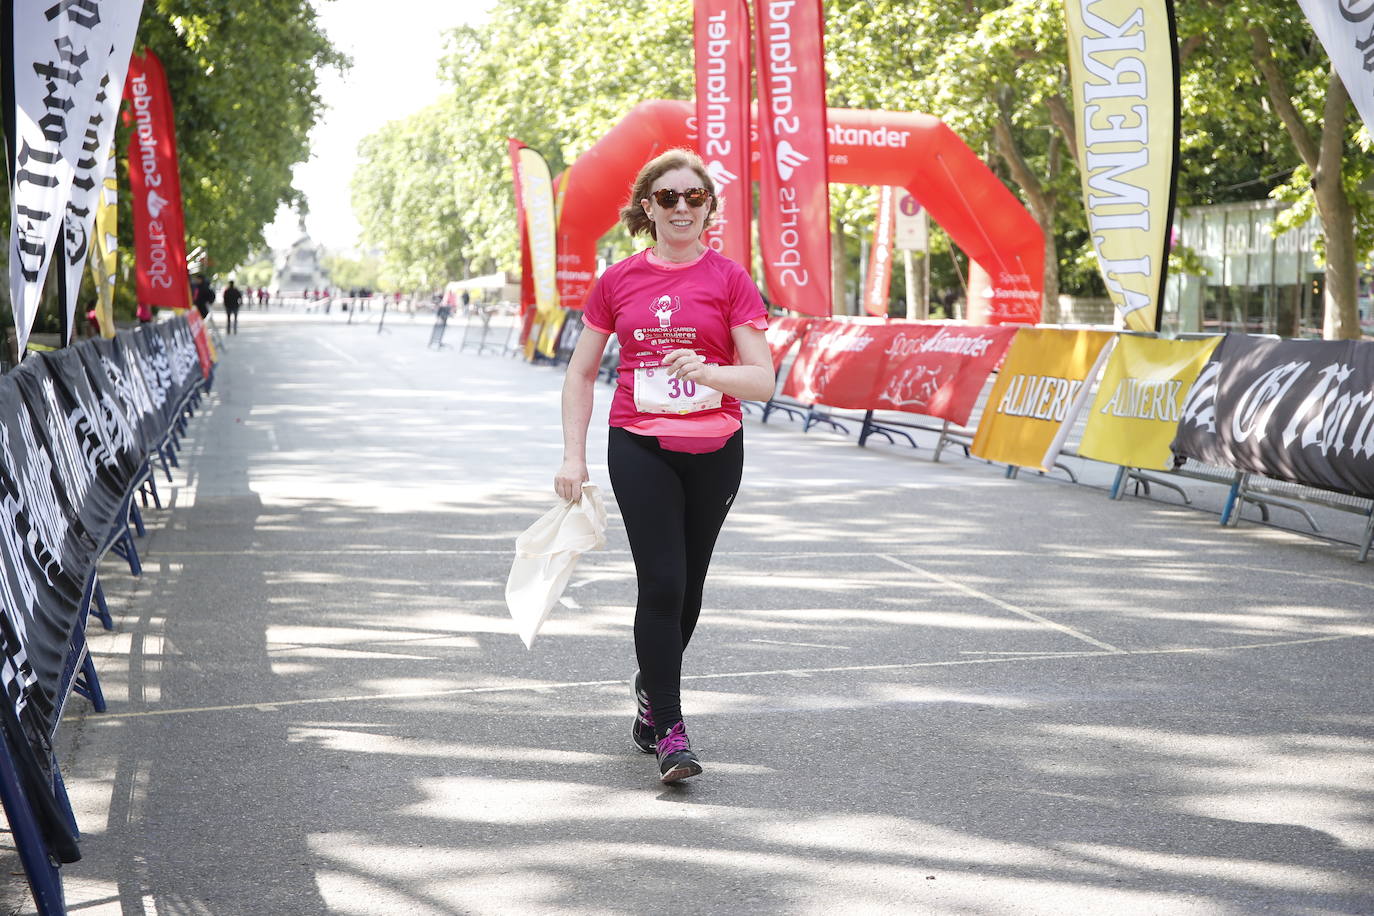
[(1040, 389), (1136, 412), (536, 192), (1122, 70), (104, 255)]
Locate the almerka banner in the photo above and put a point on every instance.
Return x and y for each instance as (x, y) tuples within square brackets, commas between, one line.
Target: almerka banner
[(536, 197), (1041, 387), (1296, 410), (155, 188), (878, 280), (1123, 66), (1140, 400), (53, 75), (936, 370), (721, 41), (1346, 30), (794, 193), (88, 180), (104, 257)]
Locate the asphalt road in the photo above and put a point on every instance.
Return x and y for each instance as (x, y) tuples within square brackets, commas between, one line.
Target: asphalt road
[(916, 688)]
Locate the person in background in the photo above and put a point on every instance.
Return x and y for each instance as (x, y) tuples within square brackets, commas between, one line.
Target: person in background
[(233, 299), (690, 323)]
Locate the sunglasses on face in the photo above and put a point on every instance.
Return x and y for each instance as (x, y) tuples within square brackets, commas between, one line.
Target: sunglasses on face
[(667, 197)]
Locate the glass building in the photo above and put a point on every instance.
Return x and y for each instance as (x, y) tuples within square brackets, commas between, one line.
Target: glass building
[(1254, 281)]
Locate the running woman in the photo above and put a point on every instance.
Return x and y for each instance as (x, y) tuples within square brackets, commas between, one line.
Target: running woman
[(690, 323)]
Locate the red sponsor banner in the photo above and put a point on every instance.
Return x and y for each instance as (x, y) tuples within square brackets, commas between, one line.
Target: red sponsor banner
[(513, 147), (937, 370), (781, 334), (1004, 298), (721, 32), (202, 342), (155, 187), (878, 282), (836, 364), (794, 197)]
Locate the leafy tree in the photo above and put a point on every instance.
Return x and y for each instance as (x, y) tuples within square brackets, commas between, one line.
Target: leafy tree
[(1268, 51), (243, 76)]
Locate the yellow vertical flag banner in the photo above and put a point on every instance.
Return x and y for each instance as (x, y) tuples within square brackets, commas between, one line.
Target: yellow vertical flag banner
[(1135, 414), (1042, 385), (1123, 67), (105, 253), (536, 190)]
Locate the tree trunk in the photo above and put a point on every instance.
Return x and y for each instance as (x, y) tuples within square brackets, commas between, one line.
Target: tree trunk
[(1040, 201), (1341, 320), (1324, 155)]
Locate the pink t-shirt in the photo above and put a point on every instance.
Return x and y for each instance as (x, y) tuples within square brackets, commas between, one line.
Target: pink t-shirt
[(654, 310)]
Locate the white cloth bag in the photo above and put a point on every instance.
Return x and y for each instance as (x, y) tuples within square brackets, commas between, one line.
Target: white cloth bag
[(547, 553)]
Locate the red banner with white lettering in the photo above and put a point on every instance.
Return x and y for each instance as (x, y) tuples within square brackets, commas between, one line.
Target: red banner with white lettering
[(937, 370), (721, 30), (782, 333), (794, 197), (878, 281), (527, 303), (155, 187)]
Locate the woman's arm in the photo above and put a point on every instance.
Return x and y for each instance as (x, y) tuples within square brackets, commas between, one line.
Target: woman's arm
[(751, 378), (578, 393)]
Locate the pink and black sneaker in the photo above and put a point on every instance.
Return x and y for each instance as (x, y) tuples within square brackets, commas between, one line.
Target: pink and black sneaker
[(642, 733), (675, 758)]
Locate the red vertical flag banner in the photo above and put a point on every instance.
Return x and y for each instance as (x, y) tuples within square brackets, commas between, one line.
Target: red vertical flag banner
[(721, 29), (794, 197), (878, 282), (527, 303), (155, 188)]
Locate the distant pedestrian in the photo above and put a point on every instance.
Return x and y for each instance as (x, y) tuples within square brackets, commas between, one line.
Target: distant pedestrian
[(232, 300), (202, 295), (690, 323)]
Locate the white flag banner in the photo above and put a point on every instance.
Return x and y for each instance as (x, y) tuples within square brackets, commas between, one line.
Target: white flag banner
[(1346, 30), (120, 24), (54, 69)]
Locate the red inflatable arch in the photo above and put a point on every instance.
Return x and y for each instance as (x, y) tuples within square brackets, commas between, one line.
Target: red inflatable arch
[(914, 151)]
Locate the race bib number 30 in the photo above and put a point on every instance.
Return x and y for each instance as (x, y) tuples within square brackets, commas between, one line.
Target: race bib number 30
[(658, 392)]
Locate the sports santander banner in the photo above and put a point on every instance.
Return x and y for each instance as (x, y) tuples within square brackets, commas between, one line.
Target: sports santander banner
[(155, 188), (878, 282), (1040, 389), (794, 196), (54, 61), (88, 181), (1297, 410), (1123, 65), (1140, 400), (936, 370), (1346, 30), (721, 41)]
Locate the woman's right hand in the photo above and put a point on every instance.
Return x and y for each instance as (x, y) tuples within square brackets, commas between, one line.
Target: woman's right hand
[(567, 483)]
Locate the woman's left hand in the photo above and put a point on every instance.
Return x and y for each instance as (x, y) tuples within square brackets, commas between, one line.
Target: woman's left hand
[(689, 365)]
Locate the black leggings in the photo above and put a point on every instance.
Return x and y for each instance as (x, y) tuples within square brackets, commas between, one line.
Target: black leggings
[(673, 504)]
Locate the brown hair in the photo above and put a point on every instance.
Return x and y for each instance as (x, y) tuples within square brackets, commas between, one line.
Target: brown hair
[(633, 215)]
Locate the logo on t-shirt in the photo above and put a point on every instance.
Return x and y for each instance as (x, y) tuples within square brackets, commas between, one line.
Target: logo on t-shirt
[(663, 308)]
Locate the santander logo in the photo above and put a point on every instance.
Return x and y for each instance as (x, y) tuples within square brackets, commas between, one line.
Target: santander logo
[(788, 158), (155, 204), (720, 174)]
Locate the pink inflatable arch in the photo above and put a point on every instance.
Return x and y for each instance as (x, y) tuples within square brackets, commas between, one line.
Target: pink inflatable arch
[(914, 151)]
